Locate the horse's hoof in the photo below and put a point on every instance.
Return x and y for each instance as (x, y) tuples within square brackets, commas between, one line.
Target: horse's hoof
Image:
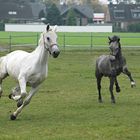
[(133, 84), (100, 101), (19, 103), (12, 117), (118, 89), (1, 93), (113, 101), (10, 96)]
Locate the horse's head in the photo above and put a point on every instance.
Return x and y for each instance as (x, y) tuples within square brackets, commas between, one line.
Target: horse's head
[(114, 45), (50, 41)]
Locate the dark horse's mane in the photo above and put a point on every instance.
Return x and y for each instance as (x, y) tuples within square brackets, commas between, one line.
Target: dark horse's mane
[(114, 38)]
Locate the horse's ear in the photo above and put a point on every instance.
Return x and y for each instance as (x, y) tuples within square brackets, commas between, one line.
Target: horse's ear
[(109, 38), (48, 27), (55, 28)]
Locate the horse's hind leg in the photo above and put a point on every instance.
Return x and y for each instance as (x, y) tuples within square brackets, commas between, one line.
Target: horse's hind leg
[(99, 88), (117, 86), (3, 76), (0, 87), (112, 80), (126, 71)]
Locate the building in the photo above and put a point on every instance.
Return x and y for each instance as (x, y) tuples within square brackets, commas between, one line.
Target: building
[(37, 7), (27, 11), (83, 13), (122, 15), (98, 18), (15, 12), (21, 11)]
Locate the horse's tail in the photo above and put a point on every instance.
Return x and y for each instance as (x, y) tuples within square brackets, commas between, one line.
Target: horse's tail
[(1, 60), (96, 66), (3, 70)]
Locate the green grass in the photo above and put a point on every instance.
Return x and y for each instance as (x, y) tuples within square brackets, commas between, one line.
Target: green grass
[(66, 106)]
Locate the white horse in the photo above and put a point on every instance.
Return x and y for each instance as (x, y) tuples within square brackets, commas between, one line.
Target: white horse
[(28, 68)]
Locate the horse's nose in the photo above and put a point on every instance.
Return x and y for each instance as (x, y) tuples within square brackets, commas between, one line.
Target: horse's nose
[(56, 53)]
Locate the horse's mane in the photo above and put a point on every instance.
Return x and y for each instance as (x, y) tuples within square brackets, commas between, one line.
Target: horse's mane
[(115, 38), (41, 38)]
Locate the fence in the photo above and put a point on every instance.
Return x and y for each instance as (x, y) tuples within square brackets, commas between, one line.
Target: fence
[(13, 42), (66, 41)]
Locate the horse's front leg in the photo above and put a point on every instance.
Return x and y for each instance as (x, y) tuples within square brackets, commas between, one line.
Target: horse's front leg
[(16, 92), (22, 88), (117, 85), (126, 71), (112, 80), (25, 102)]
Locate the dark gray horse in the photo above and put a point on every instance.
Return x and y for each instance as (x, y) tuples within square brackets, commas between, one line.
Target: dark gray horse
[(111, 66)]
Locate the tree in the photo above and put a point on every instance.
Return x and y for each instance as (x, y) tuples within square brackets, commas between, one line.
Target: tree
[(50, 1), (41, 14), (53, 15), (137, 1), (71, 19)]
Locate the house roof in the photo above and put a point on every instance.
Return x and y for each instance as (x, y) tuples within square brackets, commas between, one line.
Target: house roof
[(36, 8), (83, 9), (124, 12), (17, 11)]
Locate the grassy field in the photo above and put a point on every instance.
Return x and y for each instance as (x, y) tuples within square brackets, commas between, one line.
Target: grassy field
[(66, 106)]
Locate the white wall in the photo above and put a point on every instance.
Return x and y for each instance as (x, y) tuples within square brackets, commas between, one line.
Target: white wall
[(41, 27), (85, 28)]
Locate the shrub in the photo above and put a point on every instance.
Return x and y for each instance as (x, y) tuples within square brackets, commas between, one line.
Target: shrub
[(134, 27)]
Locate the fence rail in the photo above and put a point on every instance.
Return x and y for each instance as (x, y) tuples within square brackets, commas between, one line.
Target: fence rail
[(66, 41)]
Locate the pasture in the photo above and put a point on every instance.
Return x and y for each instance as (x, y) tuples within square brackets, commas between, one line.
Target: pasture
[(66, 105)]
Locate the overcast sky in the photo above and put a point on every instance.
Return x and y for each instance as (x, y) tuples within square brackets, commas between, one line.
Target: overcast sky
[(106, 1)]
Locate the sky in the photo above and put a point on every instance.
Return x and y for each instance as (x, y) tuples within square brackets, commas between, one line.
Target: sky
[(114, 1), (106, 1)]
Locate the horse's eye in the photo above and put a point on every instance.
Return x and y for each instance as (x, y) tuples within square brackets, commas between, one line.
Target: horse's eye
[(48, 38)]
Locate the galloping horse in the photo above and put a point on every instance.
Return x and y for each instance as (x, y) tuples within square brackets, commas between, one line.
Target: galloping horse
[(28, 69), (111, 66)]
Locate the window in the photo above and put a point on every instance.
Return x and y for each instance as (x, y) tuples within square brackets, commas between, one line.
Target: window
[(12, 13), (135, 14), (119, 14)]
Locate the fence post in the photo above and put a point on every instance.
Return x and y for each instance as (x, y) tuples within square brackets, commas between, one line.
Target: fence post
[(10, 43), (91, 41), (64, 41)]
